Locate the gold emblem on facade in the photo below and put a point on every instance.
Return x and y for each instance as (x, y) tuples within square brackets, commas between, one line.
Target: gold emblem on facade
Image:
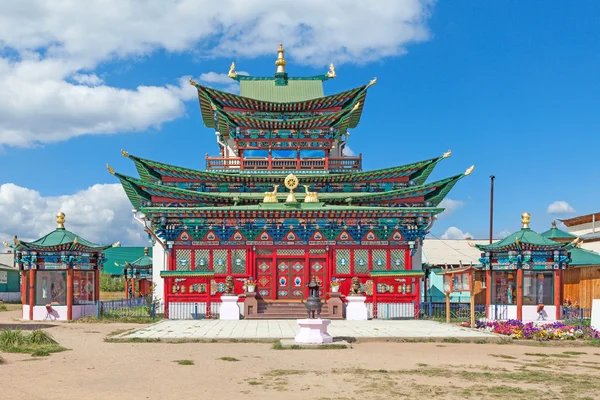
[(291, 182), (311, 197), (271, 197)]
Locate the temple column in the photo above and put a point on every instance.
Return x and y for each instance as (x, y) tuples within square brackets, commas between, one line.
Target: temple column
[(69, 294), (23, 287), (488, 292), (519, 294), (557, 292), (31, 292)]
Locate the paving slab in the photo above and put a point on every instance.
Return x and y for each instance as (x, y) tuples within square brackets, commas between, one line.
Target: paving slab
[(286, 329)]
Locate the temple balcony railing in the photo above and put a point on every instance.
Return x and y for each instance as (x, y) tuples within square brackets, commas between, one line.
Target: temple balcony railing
[(331, 164)]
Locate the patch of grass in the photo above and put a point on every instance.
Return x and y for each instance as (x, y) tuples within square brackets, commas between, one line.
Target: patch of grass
[(549, 355), (422, 365), (506, 357), (451, 340), (574, 353), (284, 372), (184, 362), (38, 342), (505, 341), (3, 307), (593, 343), (481, 341), (331, 346), (2, 361), (254, 383), (132, 340), (233, 359)]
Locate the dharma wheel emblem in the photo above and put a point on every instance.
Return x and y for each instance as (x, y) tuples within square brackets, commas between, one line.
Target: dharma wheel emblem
[(291, 182)]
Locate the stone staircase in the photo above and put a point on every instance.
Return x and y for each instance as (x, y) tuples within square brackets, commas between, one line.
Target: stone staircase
[(283, 310)]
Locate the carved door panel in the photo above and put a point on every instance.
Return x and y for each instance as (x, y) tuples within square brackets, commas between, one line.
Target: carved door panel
[(283, 283), (298, 277), (317, 269), (264, 287)]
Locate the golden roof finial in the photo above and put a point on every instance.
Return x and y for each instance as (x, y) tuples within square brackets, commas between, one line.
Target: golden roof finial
[(281, 63), (331, 73), (554, 224), (469, 170), (232, 73), (525, 219), (60, 220), (124, 153), (192, 82), (145, 251), (447, 154), (75, 241), (110, 169), (373, 81), (6, 244)]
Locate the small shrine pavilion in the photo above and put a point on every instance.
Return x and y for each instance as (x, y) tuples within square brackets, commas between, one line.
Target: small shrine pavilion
[(138, 276), (524, 273), (60, 274)]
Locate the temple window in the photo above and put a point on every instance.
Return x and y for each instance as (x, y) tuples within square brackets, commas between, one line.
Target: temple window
[(504, 287), (538, 288)]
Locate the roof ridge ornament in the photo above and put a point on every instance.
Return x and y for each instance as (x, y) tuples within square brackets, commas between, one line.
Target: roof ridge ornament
[(280, 62), (60, 220), (331, 73), (124, 153), (447, 154), (232, 73), (116, 244), (372, 82), (192, 82), (469, 170), (554, 224), (110, 169), (525, 220)]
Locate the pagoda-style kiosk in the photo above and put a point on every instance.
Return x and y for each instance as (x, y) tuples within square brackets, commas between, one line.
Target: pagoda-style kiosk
[(138, 276), (283, 204), (60, 275), (524, 276)]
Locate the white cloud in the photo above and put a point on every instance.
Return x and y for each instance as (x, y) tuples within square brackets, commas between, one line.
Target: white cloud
[(560, 207), (101, 214), (450, 206), (49, 50), (455, 233)]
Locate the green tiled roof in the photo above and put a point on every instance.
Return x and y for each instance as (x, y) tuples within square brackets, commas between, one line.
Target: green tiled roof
[(581, 257), (524, 236), (61, 237), (295, 90), (117, 257), (555, 233)]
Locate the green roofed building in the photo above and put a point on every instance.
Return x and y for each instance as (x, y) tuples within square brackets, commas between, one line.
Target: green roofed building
[(61, 274), (282, 204), (524, 274)]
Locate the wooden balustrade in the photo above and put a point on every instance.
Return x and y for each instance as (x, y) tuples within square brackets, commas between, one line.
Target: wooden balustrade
[(332, 164)]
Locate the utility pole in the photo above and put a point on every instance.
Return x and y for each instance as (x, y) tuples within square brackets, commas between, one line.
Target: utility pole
[(492, 177)]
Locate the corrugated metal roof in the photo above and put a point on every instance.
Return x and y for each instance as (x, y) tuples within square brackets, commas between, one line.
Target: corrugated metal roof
[(295, 90), (451, 251)]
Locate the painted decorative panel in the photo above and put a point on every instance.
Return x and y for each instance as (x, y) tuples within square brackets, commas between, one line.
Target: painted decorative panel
[(220, 261), (361, 261), (201, 259), (183, 259), (290, 252), (264, 252), (342, 261), (238, 261), (379, 259), (397, 258), (317, 251)]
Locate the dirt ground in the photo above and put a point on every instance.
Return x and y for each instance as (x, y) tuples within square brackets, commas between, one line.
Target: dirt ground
[(96, 369)]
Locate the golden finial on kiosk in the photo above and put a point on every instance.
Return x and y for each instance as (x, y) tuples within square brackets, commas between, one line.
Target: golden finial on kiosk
[(525, 219), (60, 220), (280, 60), (447, 154)]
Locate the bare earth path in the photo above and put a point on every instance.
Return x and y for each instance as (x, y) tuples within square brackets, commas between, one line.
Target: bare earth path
[(95, 369)]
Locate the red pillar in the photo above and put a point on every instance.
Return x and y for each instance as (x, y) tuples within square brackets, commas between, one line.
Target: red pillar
[(31, 292), (557, 292), (23, 287), (69, 295), (97, 286), (488, 291), (126, 288), (519, 294)]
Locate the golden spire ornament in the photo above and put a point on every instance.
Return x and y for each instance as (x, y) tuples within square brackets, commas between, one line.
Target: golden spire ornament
[(525, 219), (60, 220), (331, 73), (232, 73), (281, 63)]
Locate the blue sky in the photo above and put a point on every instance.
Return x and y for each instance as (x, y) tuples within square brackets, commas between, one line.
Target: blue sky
[(511, 87)]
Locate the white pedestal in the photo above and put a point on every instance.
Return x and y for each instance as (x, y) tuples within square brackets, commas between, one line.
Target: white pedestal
[(595, 322), (356, 309), (313, 331), (229, 308)]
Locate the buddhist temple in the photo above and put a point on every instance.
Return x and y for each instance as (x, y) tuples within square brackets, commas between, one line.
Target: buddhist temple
[(281, 203)]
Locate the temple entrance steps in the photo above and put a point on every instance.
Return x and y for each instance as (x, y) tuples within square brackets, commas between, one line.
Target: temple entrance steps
[(284, 310)]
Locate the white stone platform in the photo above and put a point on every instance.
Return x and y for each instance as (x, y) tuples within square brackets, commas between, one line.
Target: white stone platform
[(356, 309), (313, 331), (288, 329)]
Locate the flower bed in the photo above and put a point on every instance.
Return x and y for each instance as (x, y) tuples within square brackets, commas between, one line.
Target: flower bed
[(530, 330)]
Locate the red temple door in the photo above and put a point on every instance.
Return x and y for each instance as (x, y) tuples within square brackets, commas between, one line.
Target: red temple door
[(318, 271), (290, 280), (264, 280)]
